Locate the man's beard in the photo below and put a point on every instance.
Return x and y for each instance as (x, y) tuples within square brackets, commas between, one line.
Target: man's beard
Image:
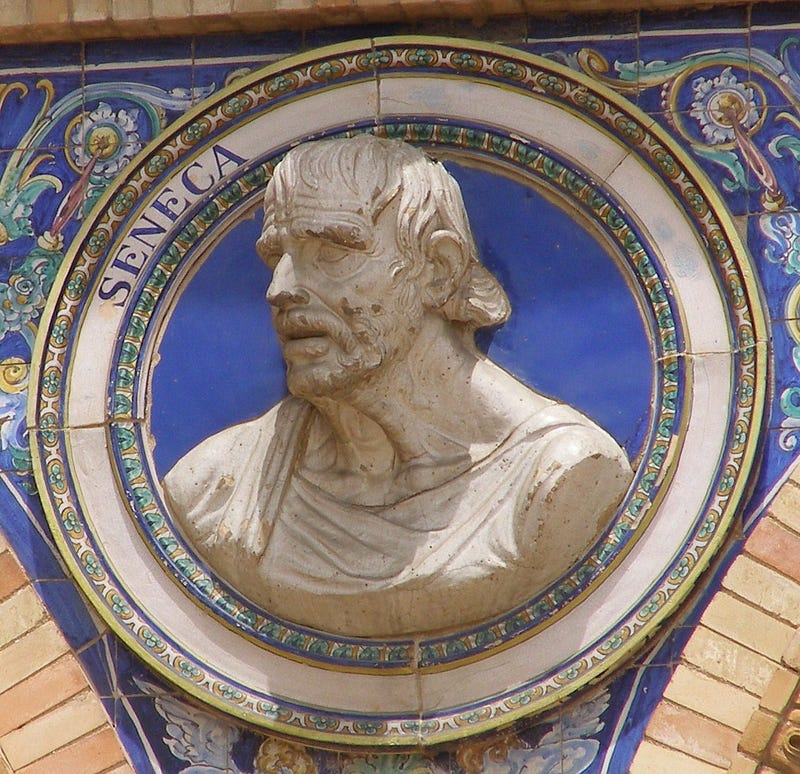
[(363, 342)]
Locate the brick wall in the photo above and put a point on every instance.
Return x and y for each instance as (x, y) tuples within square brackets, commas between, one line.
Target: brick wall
[(732, 704), (734, 700), (51, 722), (59, 20)]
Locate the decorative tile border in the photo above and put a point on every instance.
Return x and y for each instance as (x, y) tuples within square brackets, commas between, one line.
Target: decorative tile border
[(238, 106)]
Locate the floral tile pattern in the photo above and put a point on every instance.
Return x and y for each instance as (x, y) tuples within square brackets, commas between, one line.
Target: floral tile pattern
[(728, 92)]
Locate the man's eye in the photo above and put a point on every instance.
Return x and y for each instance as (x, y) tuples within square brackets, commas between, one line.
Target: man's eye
[(339, 262), (330, 253)]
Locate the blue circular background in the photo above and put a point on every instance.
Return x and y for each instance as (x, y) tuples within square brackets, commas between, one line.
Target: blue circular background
[(576, 331)]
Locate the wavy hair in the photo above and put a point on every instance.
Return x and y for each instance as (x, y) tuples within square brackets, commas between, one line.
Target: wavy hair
[(372, 172)]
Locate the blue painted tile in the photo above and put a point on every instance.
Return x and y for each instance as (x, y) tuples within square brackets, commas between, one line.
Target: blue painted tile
[(780, 449), (330, 35), (27, 532), (691, 20), (779, 147), (157, 744), (98, 661), (20, 110), (668, 59), (147, 753), (257, 48), (625, 728), (142, 98), (786, 396), (608, 57), (153, 50), (773, 242), (601, 26), (26, 57), (70, 610), (774, 14), (775, 57)]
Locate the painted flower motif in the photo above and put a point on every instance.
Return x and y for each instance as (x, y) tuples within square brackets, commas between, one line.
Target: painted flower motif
[(421, 57), (275, 756), (280, 84), (108, 137), (708, 528), (71, 523), (682, 570), (721, 102), (23, 296), (89, 560), (150, 639), (13, 394), (118, 606), (188, 670), (414, 763)]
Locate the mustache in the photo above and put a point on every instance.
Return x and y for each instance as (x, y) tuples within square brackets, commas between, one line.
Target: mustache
[(308, 322)]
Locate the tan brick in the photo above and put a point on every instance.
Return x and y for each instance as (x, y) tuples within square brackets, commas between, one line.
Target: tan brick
[(4, 544), (124, 768), (653, 759), (249, 6), (747, 625), (727, 660), (209, 7), (505, 7), (87, 11), (19, 613), (776, 547), (30, 653), (40, 692), (171, 9), (711, 698), (791, 656), (780, 690), (130, 9), (296, 8), (49, 12), (15, 11), (700, 737), (372, 11), (765, 588), (78, 716), (743, 765), (759, 731), (12, 578), (785, 507), (89, 755)]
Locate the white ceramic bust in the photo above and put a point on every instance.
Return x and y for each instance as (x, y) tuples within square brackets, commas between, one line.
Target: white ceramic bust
[(408, 483)]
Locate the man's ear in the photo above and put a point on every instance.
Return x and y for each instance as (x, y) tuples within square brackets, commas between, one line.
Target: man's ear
[(446, 261)]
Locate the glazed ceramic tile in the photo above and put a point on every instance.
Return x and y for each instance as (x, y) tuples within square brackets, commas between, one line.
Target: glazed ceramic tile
[(554, 254)]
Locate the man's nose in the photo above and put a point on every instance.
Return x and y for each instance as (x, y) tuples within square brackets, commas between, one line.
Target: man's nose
[(284, 289)]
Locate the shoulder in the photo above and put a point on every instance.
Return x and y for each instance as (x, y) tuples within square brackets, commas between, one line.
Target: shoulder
[(224, 455), (577, 481)]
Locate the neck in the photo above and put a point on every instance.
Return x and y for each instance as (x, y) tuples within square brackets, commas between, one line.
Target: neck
[(412, 411)]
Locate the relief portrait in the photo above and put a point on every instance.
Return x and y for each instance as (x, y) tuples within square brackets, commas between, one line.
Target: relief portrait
[(407, 483)]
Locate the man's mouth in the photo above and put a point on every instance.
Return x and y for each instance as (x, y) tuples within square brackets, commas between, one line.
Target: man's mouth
[(299, 341), (298, 333)]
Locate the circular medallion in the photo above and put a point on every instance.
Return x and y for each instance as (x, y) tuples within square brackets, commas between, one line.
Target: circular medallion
[(632, 300)]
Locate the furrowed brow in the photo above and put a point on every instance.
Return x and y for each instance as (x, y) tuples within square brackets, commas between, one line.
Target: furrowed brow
[(350, 233)]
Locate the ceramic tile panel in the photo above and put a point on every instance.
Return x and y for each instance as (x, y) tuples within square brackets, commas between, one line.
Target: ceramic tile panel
[(111, 99)]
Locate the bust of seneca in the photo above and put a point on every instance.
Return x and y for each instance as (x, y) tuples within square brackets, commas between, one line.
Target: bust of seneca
[(408, 483)]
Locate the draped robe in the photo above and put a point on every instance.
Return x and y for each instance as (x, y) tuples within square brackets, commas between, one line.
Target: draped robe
[(466, 550)]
